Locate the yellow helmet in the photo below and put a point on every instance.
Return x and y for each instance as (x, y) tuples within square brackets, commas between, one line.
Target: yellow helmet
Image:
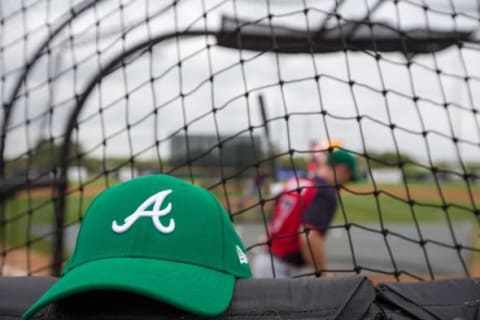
[(332, 143)]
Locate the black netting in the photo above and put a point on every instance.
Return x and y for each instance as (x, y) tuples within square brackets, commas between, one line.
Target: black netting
[(229, 95)]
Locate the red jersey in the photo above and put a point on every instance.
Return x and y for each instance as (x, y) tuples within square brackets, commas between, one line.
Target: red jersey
[(314, 204), (287, 215)]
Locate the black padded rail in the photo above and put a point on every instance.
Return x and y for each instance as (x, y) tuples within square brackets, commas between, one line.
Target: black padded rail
[(352, 297), (18, 293), (339, 298), (443, 299)]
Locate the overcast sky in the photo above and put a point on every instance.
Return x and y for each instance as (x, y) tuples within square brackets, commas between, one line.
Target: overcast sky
[(260, 74)]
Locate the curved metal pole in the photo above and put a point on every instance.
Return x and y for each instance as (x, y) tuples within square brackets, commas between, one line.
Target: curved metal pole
[(8, 107), (61, 187)]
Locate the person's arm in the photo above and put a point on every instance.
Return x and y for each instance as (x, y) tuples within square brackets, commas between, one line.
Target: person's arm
[(312, 246)]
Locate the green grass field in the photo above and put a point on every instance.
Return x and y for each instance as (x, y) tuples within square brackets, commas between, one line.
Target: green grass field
[(425, 203), (24, 214), (367, 208), (36, 215)]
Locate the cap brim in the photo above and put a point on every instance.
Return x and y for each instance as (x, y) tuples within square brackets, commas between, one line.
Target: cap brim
[(189, 287)]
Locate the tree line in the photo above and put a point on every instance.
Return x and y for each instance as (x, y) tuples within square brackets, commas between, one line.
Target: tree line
[(44, 157)]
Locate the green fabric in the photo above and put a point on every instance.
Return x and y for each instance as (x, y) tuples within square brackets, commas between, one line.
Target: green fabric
[(201, 256), (150, 278), (339, 156)]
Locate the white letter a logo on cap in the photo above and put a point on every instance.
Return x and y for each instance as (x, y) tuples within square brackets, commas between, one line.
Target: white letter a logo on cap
[(156, 201)]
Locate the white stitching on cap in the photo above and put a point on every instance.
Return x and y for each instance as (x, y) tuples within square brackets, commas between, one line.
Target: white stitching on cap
[(242, 257)]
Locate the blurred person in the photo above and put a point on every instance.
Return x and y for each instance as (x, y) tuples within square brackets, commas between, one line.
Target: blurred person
[(301, 217), (318, 153)]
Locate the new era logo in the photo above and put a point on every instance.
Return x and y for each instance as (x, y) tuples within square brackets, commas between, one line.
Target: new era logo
[(242, 257), (156, 202)]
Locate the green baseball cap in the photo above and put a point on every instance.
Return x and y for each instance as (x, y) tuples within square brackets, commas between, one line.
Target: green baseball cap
[(160, 237), (340, 156)]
